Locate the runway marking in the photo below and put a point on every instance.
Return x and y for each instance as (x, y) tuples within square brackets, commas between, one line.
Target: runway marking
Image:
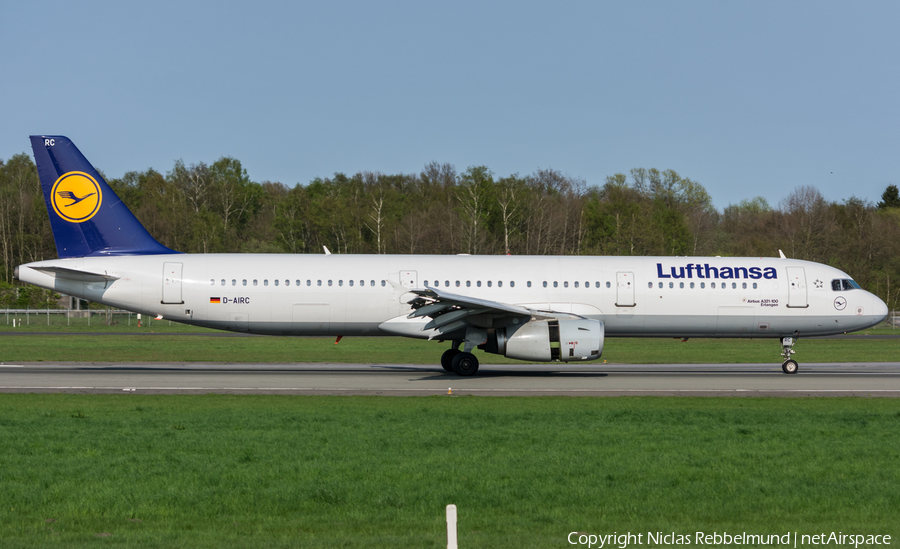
[(11, 366)]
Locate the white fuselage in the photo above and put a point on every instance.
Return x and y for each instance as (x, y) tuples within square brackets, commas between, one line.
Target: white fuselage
[(367, 295)]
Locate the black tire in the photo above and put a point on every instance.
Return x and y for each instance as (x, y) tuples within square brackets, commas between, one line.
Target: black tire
[(790, 366), (465, 364), (447, 359)]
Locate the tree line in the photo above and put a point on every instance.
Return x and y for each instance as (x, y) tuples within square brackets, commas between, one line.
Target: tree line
[(211, 208)]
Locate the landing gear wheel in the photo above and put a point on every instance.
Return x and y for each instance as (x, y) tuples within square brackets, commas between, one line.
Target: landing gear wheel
[(447, 359), (787, 349), (465, 364)]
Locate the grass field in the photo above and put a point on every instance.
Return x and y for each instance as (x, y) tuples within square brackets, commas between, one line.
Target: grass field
[(174, 347), (278, 471)]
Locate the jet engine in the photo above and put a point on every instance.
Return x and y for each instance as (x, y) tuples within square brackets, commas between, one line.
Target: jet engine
[(547, 340)]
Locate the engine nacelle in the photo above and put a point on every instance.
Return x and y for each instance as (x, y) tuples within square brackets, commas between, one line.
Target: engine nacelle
[(546, 340)]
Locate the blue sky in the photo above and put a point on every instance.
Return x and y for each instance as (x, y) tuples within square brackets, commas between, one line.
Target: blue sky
[(750, 99)]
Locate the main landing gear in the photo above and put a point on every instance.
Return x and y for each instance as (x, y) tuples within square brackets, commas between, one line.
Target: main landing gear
[(789, 366), (461, 362)]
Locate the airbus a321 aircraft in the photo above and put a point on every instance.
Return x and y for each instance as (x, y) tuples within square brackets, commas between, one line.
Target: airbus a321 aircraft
[(533, 308)]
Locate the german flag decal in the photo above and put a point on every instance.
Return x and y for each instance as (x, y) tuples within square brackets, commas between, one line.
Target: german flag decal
[(215, 300)]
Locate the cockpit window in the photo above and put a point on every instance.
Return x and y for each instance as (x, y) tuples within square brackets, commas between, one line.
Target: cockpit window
[(844, 284)]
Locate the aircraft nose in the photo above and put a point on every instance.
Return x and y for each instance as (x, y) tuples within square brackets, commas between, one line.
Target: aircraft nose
[(880, 309)]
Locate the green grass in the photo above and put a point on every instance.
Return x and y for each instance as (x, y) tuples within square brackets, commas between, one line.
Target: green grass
[(278, 471), (187, 348)]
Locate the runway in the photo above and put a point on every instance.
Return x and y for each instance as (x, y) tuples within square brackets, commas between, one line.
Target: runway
[(815, 379)]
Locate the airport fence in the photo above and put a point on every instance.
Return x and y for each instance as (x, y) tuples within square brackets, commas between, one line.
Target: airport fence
[(74, 317)]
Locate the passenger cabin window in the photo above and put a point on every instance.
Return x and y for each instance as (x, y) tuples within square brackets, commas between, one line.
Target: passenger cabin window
[(351, 283), (555, 284), (266, 282), (212, 281), (608, 284), (457, 283), (528, 284), (566, 284), (512, 283), (276, 282), (233, 282), (478, 283), (223, 282), (545, 284), (244, 282), (255, 282)]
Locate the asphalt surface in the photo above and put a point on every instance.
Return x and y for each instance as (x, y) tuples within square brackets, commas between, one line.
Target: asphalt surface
[(814, 379)]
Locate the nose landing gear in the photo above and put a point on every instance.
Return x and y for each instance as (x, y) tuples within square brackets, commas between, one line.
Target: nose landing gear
[(789, 366)]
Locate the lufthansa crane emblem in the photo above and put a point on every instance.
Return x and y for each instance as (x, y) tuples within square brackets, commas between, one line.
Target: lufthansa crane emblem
[(76, 197)]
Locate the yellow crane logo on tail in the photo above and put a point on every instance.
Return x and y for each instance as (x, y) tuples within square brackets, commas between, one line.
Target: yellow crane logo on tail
[(76, 197)]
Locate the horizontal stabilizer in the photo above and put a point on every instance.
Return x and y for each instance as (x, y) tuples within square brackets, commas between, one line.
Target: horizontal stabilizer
[(78, 276)]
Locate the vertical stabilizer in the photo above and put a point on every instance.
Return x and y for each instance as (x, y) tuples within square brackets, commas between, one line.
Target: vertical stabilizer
[(86, 216)]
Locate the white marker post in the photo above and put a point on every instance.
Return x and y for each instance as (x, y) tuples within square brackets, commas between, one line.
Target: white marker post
[(451, 527)]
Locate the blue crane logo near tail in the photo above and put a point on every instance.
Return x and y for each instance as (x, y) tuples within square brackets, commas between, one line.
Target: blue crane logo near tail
[(69, 195)]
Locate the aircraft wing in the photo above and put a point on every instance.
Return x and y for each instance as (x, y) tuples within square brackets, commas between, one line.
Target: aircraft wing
[(450, 312), (447, 300)]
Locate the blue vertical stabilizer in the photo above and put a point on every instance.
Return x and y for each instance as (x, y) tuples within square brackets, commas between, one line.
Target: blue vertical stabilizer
[(87, 217)]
